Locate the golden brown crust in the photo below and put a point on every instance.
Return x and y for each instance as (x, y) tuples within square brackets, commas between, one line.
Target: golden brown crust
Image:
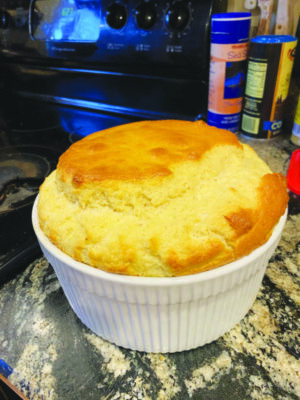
[(160, 198), (273, 199), (139, 150)]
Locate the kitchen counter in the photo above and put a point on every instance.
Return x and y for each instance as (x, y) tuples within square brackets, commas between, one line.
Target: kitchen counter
[(53, 356)]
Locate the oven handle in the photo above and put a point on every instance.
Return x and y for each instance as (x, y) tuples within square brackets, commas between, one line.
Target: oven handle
[(30, 18)]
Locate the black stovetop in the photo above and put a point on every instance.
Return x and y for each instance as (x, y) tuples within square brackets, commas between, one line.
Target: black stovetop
[(29, 151)]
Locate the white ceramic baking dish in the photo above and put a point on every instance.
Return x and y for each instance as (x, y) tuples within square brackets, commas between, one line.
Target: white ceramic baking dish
[(160, 314)]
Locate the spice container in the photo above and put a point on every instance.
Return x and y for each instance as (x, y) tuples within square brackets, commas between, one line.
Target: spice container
[(271, 59), (228, 63)]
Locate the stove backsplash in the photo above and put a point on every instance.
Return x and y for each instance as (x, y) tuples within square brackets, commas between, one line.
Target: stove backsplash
[(280, 17)]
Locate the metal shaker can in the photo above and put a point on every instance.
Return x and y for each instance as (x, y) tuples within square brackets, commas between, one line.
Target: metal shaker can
[(228, 63), (270, 64)]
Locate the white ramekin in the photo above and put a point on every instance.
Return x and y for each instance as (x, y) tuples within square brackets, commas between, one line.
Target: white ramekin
[(160, 314)]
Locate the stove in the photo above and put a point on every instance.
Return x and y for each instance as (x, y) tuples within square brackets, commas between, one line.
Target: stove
[(28, 153), (72, 67)]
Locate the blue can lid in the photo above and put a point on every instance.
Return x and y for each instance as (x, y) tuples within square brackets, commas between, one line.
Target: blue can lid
[(227, 28), (274, 39), (231, 16)]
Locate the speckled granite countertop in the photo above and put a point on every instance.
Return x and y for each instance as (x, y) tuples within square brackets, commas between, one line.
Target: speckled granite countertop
[(55, 357)]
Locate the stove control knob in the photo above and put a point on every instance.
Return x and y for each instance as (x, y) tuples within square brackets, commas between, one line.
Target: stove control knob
[(145, 14), (178, 16), (5, 20), (116, 15)]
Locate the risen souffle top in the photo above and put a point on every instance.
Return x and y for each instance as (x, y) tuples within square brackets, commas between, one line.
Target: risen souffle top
[(160, 198)]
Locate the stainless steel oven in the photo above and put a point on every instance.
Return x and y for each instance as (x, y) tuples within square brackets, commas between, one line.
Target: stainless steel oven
[(72, 67)]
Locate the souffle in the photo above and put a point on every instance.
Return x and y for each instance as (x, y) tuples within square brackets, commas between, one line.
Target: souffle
[(160, 199)]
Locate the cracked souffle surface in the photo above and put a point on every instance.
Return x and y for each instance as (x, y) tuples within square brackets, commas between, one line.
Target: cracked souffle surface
[(160, 198)]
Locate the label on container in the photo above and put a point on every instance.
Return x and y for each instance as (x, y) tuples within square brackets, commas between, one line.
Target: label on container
[(226, 84), (256, 78)]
